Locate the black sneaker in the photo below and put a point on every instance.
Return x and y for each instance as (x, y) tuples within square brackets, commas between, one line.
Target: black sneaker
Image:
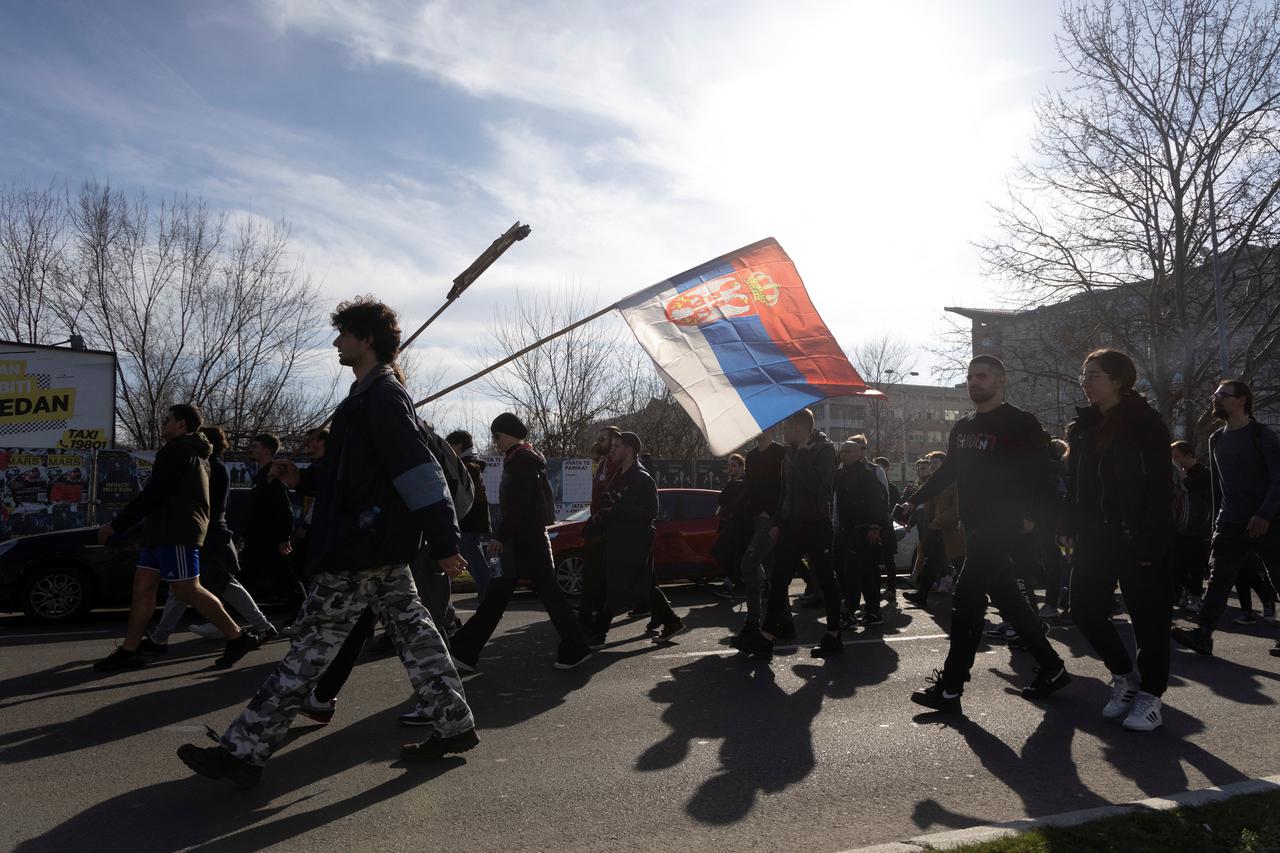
[(873, 619), (417, 717), (438, 747), (267, 633), (214, 762), (1195, 639), (1046, 682), (1275, 650), (653, 626), (916, 599), (320, 712), (151, 648), (786, 632), (596, 643), (638, 611), (237, 648), (828, 647), (121, 658), (752, 642), (936, 696), (669, 630), (572, 658)]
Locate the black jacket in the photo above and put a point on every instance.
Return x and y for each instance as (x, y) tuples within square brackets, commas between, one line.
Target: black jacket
[(175, 500), (219, 484), (764, 478), (376, 456), (270, 512), (521, 497), (477, 519), (631, 507), (808, 477), (860, 499), (1119, 474), (1199, 488)]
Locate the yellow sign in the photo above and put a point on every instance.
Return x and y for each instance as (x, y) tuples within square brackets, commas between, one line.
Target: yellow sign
[(84, 439), (21, 401)]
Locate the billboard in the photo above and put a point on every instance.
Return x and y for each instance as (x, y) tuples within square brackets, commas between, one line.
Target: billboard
[(56, 397), (43, 490)]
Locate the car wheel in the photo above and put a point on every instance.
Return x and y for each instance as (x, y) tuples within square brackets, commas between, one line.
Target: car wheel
[(57, 594), (569, 574)]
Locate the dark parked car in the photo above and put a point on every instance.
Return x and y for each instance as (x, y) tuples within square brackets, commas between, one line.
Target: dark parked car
[(60, 576)]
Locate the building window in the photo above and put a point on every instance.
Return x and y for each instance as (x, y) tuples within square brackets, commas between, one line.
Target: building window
[(935, 438), (951, 415)]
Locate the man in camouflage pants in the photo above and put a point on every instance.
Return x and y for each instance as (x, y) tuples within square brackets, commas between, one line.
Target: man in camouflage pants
[(381, 494)]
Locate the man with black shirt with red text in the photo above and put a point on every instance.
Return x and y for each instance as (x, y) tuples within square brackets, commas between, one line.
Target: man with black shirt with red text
[(998, 458)]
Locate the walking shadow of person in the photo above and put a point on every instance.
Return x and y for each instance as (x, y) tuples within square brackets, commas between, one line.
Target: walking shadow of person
[(766, 733), (247, 820)]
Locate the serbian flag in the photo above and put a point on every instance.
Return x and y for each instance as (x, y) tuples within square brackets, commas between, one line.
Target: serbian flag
[(739, 344)]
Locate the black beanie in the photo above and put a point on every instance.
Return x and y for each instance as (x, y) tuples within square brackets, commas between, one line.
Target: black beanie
[(509, 424)]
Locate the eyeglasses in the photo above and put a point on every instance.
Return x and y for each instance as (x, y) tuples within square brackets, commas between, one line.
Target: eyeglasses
[(1221, 393)]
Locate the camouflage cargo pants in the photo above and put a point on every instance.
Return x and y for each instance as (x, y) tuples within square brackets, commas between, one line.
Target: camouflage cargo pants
[(327, 617)]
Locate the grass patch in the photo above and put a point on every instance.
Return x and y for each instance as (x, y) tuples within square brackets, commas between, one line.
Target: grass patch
[(1248, 824)]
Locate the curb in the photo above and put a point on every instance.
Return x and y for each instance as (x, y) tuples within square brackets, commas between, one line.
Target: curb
[(996, 831)]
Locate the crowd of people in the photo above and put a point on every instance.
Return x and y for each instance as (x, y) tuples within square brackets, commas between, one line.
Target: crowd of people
[(391, 513)]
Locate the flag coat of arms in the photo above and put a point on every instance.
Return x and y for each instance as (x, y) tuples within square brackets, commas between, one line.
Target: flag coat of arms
[(739, 343)]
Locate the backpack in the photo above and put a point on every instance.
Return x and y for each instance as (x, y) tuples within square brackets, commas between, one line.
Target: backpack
[(456, 475)]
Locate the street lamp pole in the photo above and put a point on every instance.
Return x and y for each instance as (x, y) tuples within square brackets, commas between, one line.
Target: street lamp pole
[(903, 373)]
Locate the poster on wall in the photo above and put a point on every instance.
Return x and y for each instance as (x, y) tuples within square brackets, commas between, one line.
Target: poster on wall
[(42, 491), (575, 481), (57, 397)]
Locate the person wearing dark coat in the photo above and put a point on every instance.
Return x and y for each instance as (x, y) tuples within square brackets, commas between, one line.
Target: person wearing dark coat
[(1120, 512), (627, 514), (520, 540), (862, 514)]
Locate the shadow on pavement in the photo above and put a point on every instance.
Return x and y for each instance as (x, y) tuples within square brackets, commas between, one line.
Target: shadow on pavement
[(193, 811), (766, 733)]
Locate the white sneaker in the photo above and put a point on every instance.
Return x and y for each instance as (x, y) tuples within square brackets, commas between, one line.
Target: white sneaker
[(206, 630), (1145, 714), (1048, 612), (1123, 690)]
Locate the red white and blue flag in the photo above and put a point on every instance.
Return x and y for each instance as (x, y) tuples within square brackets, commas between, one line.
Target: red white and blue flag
[(739, 343)]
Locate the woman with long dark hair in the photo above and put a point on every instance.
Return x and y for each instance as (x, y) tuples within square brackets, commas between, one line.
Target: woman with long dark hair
[(1120, 511)]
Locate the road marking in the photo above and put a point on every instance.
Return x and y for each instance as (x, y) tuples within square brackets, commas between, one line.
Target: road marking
[(870, 641), (105, 632)]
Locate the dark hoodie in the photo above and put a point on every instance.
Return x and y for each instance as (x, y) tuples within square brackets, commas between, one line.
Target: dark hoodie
[(175, 500), (520, 496), (808, 477), (1119, 474)]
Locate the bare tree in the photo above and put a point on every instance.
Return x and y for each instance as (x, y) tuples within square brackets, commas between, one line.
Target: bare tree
[(879, 361), (32, 272), (562, 388), (649, 409), (1171, 100), (196, 310)]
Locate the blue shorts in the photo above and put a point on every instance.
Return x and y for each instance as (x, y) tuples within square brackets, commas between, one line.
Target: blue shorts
[(173, 562)]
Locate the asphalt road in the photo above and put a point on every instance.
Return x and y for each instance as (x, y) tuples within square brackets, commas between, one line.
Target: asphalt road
[(645, 748)]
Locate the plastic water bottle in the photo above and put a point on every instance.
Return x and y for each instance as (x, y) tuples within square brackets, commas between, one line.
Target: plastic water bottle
[(368, 518)]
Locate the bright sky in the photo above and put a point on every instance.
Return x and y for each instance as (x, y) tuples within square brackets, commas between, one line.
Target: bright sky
[(638, 139)]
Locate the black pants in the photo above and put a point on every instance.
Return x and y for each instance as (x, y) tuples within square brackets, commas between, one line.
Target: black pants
[(433, 591), (265, 566), (811, 540), (1056, 575), (1232, 547), (935, 559), (1104, 557), (660, 612), (528, 558), (731, 544), (1252, 578), (593, 580), (988, 571), (858, 564), (1191, 560)]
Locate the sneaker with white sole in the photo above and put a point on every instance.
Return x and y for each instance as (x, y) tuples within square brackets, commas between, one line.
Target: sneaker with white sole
[(1144, 716), (417, 717), (315, 710), (1123, 690), (206, 630)]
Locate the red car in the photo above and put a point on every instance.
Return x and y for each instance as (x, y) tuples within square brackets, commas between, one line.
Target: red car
[(682, 543)]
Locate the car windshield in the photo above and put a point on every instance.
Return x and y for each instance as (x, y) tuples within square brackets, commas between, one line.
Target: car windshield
[(581, 515)]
